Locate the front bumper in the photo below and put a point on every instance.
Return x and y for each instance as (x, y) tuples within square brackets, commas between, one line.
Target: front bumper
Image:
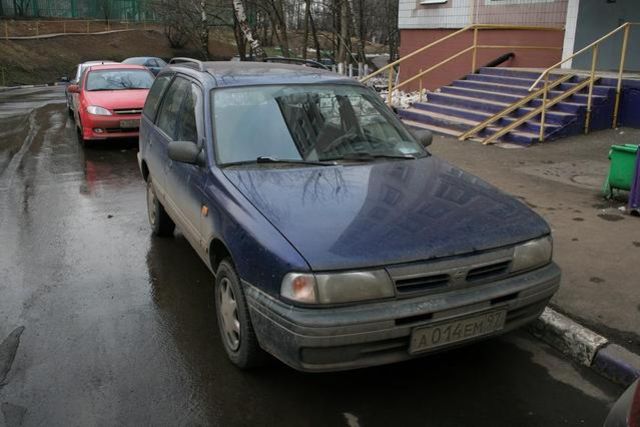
[(368, 334), (110, 126)]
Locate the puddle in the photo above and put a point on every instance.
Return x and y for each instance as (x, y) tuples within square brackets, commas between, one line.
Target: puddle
[(611, 217)]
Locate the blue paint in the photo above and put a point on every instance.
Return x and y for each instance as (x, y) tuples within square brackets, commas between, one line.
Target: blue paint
[(367, 215), (274, 220)]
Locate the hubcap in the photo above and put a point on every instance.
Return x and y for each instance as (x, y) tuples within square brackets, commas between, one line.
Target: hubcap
[(151, 205), (229, 314)]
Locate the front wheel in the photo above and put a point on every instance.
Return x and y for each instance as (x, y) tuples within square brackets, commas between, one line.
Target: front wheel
[(161, 224), (235, 326)]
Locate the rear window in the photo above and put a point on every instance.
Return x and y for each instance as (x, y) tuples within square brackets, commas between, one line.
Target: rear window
[(118, 80)]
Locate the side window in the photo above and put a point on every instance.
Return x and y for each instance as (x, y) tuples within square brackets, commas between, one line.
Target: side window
[(188, 128), (154, 96), (168, 118)]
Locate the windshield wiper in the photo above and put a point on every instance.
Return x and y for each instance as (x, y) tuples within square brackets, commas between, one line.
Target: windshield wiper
[(367, 157), (268, 159)]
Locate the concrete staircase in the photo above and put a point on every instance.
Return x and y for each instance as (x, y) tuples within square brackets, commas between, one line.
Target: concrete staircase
[(463, 104)]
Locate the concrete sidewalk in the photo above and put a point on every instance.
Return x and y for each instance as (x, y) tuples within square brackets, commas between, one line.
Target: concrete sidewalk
[(596, 245)]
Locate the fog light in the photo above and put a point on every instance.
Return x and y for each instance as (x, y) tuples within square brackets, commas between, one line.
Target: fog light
[(98, 130)]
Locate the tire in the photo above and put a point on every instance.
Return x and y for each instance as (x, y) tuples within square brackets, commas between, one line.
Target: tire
[(240, 343), (161, 224), (81, 140)]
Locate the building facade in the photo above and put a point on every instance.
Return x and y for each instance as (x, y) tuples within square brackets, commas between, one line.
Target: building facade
[(561, 27)]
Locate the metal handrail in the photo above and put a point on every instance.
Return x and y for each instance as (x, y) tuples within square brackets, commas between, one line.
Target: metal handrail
[(414, 53), (594, 48), (584, 49), (473, 48), (537, 111), (513, 107)]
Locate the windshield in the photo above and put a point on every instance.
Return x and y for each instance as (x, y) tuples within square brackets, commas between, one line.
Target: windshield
[(312, 123), (118, 80), (136, 61)]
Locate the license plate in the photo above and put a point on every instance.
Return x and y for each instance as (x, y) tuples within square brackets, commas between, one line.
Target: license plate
[(129, 124), (431, 337)]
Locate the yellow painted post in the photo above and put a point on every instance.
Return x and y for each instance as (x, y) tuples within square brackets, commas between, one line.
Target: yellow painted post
[(420, 98), (544, 106), (37, 29), (623, 54), (474, 58), (390, 86), (594, 61)]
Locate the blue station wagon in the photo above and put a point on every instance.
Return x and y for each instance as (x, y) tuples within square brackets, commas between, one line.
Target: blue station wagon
[(336, 240)]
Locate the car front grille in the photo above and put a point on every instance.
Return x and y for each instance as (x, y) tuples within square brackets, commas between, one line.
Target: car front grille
[(488, 271), (418, 284), (451, 273), (128, 111)]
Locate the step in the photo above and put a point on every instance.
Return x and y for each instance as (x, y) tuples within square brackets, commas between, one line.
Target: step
[(520, 92), (515, 72), (461, 123), (464, 113), (553, 117), (515, 81), (519, 137), (437, 119), (601, 90), (558, 115), (482, 94), (435, 129)]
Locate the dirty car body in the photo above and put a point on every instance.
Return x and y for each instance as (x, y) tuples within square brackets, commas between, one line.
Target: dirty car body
[(353, 245)]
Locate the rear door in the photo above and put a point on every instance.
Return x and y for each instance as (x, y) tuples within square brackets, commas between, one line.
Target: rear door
[(185, 182), (153, 140)]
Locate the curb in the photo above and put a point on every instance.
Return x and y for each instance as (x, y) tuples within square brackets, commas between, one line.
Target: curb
[(586, 347), (4, 88)]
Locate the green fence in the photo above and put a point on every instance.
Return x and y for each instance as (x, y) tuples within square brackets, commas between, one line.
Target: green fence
[(129, 10)]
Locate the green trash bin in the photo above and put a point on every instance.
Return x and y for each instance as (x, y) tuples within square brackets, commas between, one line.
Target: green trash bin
[(622, 168)]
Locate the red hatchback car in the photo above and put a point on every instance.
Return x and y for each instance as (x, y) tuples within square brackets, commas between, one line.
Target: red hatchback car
[(110, 101)]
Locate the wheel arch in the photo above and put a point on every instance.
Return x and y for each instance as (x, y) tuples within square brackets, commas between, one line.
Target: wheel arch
[(144, 170), (218, 251)]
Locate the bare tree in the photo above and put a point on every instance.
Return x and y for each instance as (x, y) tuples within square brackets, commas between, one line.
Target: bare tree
[(241, 17)]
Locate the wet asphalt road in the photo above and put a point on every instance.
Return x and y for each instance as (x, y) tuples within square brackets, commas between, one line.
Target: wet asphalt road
[(120, 329)]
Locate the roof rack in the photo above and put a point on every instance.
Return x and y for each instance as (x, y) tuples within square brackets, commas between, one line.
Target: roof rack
[(307, 62), (182, 60)]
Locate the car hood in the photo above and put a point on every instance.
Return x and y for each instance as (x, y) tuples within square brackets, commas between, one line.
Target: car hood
[(117, 99), (383, 213)]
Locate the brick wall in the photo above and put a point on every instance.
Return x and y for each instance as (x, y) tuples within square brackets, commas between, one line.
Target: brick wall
[(414, 39)]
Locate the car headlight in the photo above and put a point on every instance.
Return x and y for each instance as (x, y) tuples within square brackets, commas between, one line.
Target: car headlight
[(335, 288), (98, 111), (532, 254)]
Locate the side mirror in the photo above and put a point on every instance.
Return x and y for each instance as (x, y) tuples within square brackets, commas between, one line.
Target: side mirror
[(423, 136), (73, 89), (186, 152)]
